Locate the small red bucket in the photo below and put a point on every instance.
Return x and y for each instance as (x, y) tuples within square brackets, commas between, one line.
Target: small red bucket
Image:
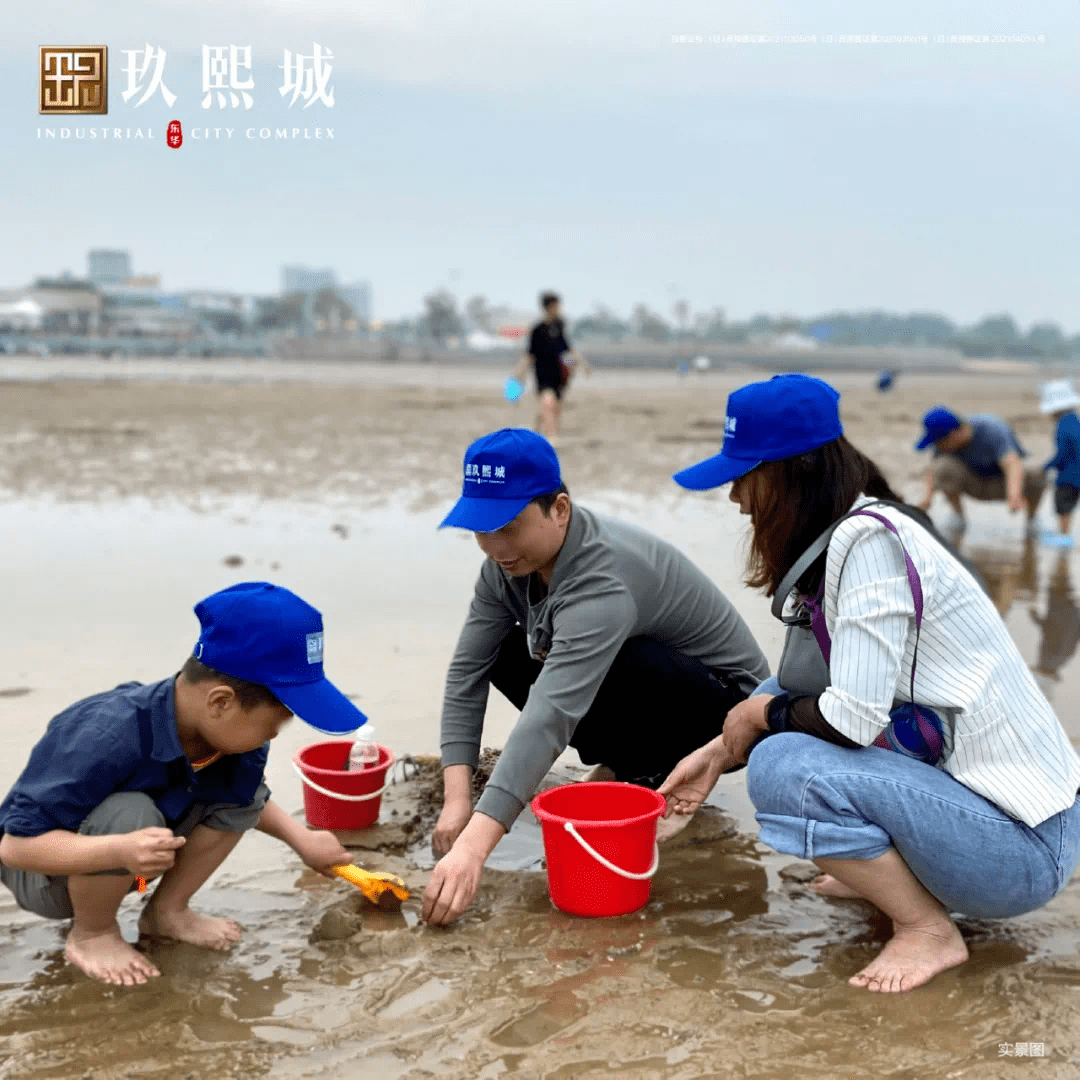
[(335, 798), (600, 843)]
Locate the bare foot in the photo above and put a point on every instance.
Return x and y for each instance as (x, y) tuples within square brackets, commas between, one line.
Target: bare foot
[(107, 957), (913, 957), (191, 927), (598, 772), (827, 885), (668, 827)]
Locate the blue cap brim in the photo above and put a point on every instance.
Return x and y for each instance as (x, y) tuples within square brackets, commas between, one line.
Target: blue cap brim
[(713, 472), (925, 442), (322, 705), (483, 515)]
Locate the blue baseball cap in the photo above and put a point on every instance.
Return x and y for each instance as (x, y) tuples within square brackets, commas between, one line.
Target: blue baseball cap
[(267, 635), (768, 421), (938, 423), (504, 472)]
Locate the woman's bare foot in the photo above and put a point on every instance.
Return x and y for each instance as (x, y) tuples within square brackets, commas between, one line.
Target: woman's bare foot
[(827, 885), (913, 957), (191, 927), (105, 955), (598, 772)]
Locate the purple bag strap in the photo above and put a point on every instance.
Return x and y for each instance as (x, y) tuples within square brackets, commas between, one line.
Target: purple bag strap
[(817, 614)]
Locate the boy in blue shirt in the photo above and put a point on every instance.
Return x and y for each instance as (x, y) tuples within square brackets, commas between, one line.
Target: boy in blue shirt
[(162, 780), (1059, 400)]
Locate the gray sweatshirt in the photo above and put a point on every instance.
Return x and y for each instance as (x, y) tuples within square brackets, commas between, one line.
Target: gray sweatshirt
[(611, 582)]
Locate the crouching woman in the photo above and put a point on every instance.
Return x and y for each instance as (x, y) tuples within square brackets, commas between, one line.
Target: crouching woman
[(965, 804)]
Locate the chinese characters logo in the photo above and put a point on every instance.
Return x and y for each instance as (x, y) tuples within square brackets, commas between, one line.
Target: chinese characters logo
[(74, 79)]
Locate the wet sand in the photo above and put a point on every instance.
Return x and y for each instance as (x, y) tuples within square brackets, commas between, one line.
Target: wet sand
[(125, 500)]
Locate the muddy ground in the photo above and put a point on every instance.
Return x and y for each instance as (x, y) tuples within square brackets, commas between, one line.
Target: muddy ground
[(126, 500)]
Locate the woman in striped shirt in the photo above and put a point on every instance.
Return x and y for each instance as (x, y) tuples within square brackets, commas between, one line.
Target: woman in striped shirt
[(994, 829)]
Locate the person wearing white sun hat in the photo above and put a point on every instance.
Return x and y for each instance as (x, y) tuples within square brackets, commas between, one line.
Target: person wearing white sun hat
[(1059, 399)]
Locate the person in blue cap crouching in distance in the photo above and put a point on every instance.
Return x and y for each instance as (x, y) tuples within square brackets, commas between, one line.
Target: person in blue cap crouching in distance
[(162, 780), (607, 638), (1060, 401), (979, 457), (994, 829)]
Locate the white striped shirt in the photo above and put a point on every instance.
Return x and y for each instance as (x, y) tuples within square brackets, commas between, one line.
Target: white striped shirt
[(1001, 736)]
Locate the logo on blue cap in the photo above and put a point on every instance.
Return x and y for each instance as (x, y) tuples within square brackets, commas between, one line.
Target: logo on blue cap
[(769, 421), (503, 473), (267, 635)]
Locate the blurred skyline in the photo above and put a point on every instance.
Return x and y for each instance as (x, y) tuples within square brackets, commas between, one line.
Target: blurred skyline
[(502, 149)]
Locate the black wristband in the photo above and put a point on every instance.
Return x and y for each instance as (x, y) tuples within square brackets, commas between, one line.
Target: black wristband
[(776, 714)]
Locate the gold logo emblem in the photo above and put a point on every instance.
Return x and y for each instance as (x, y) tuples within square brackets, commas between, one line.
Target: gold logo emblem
[(74, 79)]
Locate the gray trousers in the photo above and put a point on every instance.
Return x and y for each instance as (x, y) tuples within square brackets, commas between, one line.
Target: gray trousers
[(953, 477), (124, 812)]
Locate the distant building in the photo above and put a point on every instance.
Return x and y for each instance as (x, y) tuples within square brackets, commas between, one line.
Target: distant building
[(222, 312), (303, 279), (68, 306), (358, 297), (136, 313), (20, 312), (106, 266)]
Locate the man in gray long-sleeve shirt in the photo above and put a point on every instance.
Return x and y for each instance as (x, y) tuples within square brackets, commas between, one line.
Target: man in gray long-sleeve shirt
[(606, 637)]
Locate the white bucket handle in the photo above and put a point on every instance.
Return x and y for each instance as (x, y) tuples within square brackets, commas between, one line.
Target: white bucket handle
[(569, 827), (337, 794)]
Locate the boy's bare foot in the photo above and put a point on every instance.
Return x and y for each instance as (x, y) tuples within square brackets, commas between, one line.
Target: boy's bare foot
[(190, 927), (914, 956), (105, 955), (668, 827), (827, 885)]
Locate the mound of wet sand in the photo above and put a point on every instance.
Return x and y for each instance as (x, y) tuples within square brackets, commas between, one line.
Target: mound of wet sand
[(412, 804)]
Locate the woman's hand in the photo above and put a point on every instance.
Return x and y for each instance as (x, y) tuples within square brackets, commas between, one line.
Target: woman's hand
[(452, 821), (744, 723), (694, 777)]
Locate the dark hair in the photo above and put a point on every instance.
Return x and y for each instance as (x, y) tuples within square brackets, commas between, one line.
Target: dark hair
[(546, 502), (249, 694), (548, 298), (793, 501)]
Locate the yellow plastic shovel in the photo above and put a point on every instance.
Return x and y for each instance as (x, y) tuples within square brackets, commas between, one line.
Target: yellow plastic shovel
[(384, 890)]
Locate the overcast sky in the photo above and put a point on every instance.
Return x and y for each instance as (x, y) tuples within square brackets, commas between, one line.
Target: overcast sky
[(507, 146)]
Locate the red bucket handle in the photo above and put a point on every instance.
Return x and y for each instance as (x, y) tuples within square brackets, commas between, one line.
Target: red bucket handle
[(569, 827), (337, 794)]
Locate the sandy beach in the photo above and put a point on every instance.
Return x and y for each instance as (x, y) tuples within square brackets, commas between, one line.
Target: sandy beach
[(130, 491)]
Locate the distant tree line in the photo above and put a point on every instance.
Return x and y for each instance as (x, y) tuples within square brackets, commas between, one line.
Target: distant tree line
[(996, 335)]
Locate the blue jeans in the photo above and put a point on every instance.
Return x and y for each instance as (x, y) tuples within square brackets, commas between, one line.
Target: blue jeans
[(817, 800), (770, 686)]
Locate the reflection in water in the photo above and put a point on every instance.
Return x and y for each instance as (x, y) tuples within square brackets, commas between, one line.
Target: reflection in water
[(1060, 625), (1013, 576), (1008, 575)]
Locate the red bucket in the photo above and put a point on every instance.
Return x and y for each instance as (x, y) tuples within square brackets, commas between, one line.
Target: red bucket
[(335, 798), (600, 843)]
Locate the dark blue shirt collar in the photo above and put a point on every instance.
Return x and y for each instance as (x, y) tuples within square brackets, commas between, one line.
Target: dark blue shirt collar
[(166, 738)]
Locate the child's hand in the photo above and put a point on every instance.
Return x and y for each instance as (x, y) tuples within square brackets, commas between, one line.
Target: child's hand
[(149, 852), (320, 850)]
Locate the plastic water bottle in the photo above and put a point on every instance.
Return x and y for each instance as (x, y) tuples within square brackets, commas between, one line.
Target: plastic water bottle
[(365, 751)]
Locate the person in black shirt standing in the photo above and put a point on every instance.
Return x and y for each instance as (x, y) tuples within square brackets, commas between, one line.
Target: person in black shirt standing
[(550, 355)]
